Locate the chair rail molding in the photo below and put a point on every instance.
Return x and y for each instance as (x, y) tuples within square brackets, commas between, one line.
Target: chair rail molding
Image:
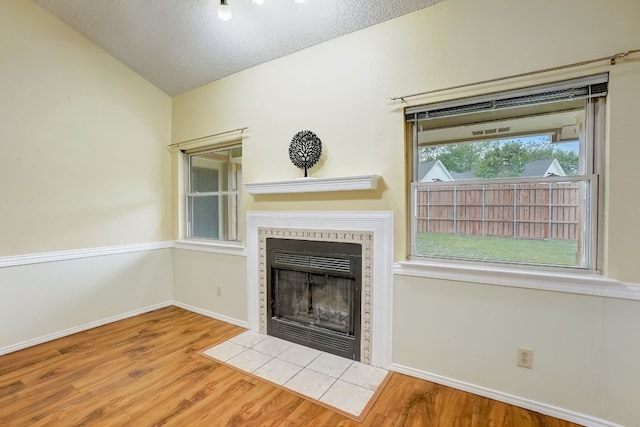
[(55, 256)]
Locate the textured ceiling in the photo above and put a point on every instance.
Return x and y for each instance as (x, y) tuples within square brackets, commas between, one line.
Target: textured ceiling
[(181, 44)]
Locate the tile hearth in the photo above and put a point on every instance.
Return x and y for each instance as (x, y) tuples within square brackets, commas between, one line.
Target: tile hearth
[(336, 382)]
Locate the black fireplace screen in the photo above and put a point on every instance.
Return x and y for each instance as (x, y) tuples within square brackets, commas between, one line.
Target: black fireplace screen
[(314, 294), (315, 299)]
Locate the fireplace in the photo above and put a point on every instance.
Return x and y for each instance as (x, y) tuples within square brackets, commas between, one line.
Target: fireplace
[(372, 231), (314, 294)]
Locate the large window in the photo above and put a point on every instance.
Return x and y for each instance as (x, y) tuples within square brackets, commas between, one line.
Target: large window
[(213, 194), (514, 177)]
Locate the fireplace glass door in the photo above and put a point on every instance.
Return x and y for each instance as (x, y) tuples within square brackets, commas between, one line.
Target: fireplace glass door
[(314, 295), (315, 299)]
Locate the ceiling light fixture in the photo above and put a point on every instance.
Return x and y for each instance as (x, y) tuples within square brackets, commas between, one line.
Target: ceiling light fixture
[(224, 11)]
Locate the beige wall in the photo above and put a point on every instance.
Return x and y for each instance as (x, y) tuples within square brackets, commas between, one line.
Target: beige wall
[(51, 299), (330, 90), (585, 347), (84, 160), (338, 90), (622, 228), (470, 332), (197, 276), (83, 164)]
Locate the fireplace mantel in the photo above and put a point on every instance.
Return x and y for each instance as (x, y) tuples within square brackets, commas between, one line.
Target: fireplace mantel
[(311, 185)]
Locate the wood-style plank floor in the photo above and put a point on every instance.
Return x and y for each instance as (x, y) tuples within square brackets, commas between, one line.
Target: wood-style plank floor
[(146, 371)]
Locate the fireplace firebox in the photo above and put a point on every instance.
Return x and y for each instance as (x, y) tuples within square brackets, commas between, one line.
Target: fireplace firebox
[(314, 294)]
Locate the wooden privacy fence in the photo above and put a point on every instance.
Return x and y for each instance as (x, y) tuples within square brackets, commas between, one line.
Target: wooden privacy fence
[(527, 211)]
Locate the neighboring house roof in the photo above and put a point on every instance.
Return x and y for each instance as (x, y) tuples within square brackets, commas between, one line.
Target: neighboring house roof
[(432, 171), (545, 167), (424, 168), (458, 176)]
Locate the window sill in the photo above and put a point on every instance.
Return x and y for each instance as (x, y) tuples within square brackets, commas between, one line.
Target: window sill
[(218, 247), (584, 284)]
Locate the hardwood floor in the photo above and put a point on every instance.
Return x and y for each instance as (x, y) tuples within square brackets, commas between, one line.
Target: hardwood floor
[(145, 371)]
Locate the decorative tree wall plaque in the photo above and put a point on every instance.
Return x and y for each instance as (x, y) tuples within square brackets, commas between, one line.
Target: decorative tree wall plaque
[(305, 150)]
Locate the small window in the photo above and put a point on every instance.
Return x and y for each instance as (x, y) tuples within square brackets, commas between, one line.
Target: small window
[(513, 177), (213, 194)]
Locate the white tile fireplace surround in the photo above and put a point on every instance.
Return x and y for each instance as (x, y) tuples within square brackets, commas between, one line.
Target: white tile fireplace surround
[(372, 229)]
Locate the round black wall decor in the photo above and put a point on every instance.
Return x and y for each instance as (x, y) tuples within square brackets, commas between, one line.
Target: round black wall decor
[(305, 150)]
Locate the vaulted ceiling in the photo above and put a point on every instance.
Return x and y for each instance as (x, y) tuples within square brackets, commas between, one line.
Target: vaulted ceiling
[(179, 45)]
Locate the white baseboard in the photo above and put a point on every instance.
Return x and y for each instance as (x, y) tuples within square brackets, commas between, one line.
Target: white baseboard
[(86, 326), (543, 408), (211, 314)]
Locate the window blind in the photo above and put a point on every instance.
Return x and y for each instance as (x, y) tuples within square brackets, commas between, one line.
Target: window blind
[(585, 87)]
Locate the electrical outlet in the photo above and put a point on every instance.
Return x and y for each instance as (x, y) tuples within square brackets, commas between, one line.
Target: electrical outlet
[(219, 291), (525, 358)]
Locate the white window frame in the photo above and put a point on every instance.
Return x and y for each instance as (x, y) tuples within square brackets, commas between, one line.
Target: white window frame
[(232, 207), (593, 173)]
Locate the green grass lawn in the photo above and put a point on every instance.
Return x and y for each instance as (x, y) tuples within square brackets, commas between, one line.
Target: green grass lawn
[(554, 252)]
